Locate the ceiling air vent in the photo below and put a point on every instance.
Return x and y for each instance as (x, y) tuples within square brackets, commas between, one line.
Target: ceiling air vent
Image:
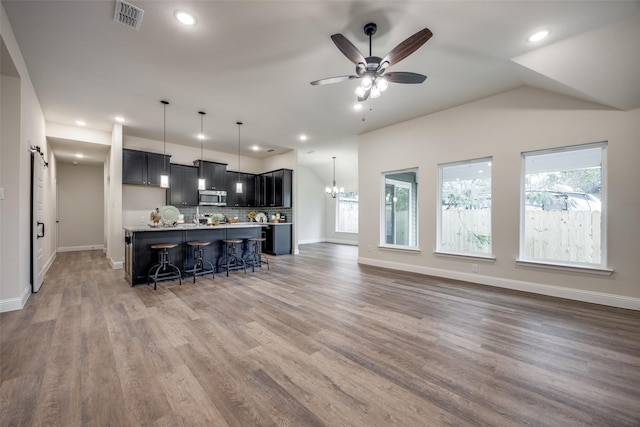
[(269, 150), (127, 14)]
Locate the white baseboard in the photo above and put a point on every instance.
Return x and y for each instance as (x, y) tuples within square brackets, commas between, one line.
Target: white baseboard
[(342, 242), (116, 265), (518, 285), (13, 304), (81, 248), (338, 241), (307, 241)]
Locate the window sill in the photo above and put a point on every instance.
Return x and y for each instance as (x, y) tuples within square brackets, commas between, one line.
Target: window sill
[(566, 267), (400, 248), (476, 257)]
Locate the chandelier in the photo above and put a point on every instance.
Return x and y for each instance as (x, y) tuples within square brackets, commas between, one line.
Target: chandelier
[(334, 191)]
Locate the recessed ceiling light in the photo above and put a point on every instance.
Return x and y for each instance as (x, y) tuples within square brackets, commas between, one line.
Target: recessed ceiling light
[(81, 123), (255, 148), (79, 155), (185, 17), (357, 106), (119, 119), (201, 136), (303, 137), (537, 36)]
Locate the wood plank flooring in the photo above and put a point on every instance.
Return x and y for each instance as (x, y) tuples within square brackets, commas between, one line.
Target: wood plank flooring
[(316, 341)]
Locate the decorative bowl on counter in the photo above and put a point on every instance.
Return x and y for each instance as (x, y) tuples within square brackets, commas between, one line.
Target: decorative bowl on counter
[(232, 220)]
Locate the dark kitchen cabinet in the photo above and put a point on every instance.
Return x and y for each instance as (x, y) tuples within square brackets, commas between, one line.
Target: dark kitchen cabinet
[(248, 197), (183, 190), (142, 168), (276, 188), (214, 174), (278, 239)]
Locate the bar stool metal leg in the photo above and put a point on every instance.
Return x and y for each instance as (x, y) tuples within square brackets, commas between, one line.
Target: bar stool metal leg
[(199, 262), (256, 258), (230, 260), (164, 270)]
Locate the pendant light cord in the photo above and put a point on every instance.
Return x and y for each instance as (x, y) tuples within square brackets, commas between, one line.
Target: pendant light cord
[(239, 124), (164, 135), (202, 113)]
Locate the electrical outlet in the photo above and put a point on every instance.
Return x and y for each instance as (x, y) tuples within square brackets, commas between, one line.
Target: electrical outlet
[(474, 268), (142, 220)]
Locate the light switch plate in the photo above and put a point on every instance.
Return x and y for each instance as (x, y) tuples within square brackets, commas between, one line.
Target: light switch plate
[(1, 193)]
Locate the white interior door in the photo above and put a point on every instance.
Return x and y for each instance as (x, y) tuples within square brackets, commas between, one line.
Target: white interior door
[(38, 226)]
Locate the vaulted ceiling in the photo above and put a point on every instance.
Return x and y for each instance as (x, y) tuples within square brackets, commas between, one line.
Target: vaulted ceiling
[(253, 61)]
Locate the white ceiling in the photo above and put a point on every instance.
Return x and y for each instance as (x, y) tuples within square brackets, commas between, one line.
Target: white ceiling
[(253, 61)]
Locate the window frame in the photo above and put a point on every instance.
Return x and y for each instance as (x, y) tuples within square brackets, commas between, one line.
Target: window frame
[(439, 221), (414, 224), (600, 268)]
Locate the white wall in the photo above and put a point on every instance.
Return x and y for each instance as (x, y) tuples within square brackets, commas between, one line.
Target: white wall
[(503, 126), (22, 106), (113, 207), (81, 207), (311, 206), (330, 218)]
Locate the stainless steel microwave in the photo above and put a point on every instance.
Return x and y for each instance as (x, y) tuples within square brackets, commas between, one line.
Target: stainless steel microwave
[(212, 198)]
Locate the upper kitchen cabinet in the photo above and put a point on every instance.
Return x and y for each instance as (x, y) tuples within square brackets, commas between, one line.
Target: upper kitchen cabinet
[(276, 188), (142, 168), (213, 173), (248, 197), (183, 188)]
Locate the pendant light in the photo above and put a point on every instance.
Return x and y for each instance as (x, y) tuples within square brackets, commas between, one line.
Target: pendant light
[(239, 183), (334, 191), (164, 178), (201, 181)]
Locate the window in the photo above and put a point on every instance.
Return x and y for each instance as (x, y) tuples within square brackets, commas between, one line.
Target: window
[(464, 217), (400, 209), (563, 205), (347, 212)]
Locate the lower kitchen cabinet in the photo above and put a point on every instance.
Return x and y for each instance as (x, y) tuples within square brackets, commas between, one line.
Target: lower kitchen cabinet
[(278, 239)]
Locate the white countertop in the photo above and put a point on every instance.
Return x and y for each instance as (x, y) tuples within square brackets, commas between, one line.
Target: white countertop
[(189, 226)]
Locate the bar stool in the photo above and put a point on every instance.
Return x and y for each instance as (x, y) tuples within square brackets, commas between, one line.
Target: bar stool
[(230, 260), (164, 270), (199, 261), (256, 257)]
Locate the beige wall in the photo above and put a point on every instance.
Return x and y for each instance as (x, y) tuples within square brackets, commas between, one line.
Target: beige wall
[(81, 207), (503, 126), (25, 126)]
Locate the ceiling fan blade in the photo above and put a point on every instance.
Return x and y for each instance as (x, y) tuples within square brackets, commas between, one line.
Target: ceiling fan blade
[(406, 48), (332, 80), (404, 77), (348, 49)]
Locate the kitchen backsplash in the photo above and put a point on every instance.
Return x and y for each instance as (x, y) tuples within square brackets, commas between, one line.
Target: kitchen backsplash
[(230, 212)]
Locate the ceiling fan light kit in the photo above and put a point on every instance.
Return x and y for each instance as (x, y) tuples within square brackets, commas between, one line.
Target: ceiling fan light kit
[(372, 69)]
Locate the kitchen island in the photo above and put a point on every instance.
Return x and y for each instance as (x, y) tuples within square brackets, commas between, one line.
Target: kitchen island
[(139, 257)]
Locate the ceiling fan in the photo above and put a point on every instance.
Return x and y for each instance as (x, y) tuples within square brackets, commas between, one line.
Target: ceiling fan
[(372, 69)]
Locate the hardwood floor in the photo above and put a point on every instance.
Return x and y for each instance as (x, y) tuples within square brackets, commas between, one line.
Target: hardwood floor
[(316, 341)]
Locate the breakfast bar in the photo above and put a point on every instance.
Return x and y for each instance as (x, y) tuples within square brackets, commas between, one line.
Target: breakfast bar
[(139, 257)]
